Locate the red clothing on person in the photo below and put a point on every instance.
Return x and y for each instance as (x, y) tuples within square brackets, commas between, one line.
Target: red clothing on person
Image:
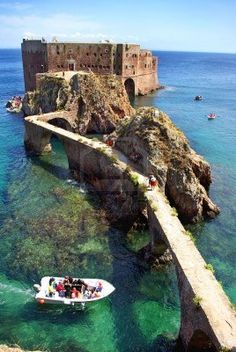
[(60, 287)]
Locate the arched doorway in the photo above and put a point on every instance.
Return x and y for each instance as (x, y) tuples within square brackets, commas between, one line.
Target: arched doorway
[(200, 342), (130, 89)]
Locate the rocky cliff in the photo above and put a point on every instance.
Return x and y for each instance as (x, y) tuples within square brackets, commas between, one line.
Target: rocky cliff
[(158, 147), (96, 103)]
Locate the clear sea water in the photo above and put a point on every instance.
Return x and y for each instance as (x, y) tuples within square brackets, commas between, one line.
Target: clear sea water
[(51, 225)]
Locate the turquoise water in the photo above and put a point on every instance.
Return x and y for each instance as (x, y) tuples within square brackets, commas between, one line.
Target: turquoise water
[(53, 226), (214, 77), (50, 225)]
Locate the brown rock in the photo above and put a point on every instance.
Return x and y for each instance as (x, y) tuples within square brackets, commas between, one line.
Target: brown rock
[(96, 103), (162, 149)]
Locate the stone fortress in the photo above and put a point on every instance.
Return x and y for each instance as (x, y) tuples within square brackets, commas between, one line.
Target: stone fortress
[(136, 67)]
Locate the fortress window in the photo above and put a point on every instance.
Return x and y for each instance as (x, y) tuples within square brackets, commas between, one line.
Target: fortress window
[(127, 55), (100, 66), (95, 54), (96, 66), (87, 54), (88, 66), (145, 65), (133, 72), (62, 66), (58, 66), (126, 66), (108, 67), (58, 50), (92, 66), (81, 65), (132, 66), (101, 54)]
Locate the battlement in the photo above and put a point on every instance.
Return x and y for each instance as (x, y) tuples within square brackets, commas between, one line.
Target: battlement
[(136, 67)]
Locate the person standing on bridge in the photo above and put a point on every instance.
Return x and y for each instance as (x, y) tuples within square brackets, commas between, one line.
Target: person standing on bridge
[(152, 182)]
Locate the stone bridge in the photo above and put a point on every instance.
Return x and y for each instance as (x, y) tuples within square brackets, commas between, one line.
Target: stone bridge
[(208, 321)]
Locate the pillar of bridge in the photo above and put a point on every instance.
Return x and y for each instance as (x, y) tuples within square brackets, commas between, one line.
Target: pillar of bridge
[(158, 245), (36, 138), (196, 334)]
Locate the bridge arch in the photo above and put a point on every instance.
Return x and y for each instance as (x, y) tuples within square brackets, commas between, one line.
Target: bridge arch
[(130, 88), (62, 123)]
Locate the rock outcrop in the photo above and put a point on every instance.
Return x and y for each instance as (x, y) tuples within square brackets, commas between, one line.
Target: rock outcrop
[(158, 147), (96, 103)]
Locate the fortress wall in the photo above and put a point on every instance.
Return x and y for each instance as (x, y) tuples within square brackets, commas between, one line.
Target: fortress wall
[(124, 60), (34, 57)]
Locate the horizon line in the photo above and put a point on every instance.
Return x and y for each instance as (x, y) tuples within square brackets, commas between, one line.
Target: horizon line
[(161, 50)]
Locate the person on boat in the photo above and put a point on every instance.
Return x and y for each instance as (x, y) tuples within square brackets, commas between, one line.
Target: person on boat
[(60, 289), (67, 286), (98, 290), (51, 287), (80, 285), (152, 182), (74, 293)]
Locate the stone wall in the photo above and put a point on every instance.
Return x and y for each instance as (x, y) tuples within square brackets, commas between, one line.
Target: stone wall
[(125, 60)]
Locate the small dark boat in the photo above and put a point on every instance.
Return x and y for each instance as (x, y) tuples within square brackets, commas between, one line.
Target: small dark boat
[(198, 97)]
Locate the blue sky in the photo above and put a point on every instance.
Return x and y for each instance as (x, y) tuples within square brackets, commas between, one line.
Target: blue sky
[(191, 25)]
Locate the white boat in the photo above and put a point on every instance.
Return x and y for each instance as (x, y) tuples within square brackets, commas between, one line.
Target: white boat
[(16, 110), (43, 295)]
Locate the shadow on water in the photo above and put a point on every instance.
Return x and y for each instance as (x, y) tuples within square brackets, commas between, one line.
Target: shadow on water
[(61, 173), (126, 277)]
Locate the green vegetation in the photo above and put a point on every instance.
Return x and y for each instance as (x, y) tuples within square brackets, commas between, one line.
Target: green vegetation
[(128, 170), (197, 301), (101, 150), (233, 306), (167, 201), (153, 206), (63, 238), (174, 212), (114, 159), (134, 179), (210, 267), (224, 349), (190, 235)]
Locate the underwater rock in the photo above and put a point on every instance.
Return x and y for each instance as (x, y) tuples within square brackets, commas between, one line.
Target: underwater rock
[(152, 259)]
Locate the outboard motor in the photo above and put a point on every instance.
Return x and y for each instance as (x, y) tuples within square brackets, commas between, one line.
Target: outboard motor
[(37, 287)]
